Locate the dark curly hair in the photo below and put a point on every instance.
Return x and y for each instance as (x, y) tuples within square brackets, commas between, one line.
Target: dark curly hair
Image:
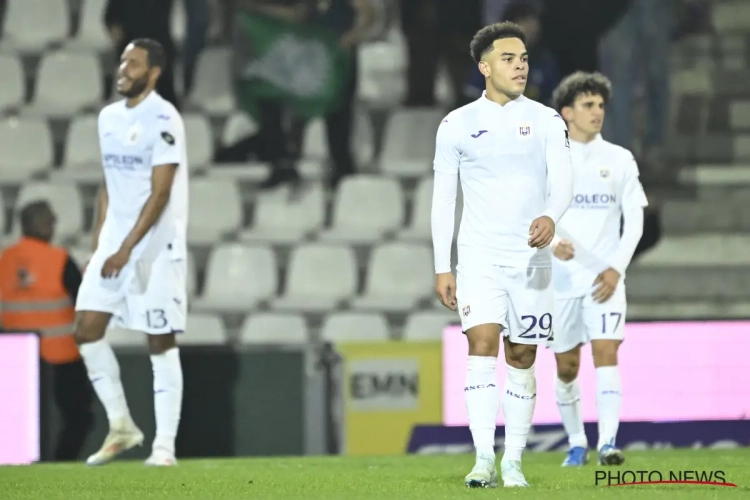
[(483, 40), (578, 84)]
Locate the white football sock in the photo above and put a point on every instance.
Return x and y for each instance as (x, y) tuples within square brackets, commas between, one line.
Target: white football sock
[(608, 401), (104, 373), (482, 402), (167, 397), (569, 403), (519, 399)]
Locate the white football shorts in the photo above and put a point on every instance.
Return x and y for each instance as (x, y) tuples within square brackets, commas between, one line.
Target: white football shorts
[(159, 307), (521, 300), (580, 320)]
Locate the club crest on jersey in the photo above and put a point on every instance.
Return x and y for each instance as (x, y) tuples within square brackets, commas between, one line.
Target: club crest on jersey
[(604, 173), (524, 130), (133, 134)]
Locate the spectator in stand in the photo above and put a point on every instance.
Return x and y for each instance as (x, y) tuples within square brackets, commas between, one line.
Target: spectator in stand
[(636, 50), (127, 20), (543, 74), (350, 20), (438, 31), (198, 17)]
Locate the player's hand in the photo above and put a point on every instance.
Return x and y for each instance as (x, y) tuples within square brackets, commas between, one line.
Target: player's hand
[(114, 264), (564, 250), (607, 282), (445, 288), (541, 232)]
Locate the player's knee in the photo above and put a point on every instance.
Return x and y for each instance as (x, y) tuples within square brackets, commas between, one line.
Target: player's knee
[(159, 344), (605, 352), (484, 340), (519, 356), (568, 364), (90, 327)]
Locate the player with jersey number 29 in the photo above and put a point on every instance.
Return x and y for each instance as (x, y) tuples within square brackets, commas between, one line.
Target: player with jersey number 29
[(592, 256), (513, 159), (136, 278)]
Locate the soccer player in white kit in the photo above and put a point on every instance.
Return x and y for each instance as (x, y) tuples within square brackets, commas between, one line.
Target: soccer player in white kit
[(592, 257), (137, 273), (513, 159)]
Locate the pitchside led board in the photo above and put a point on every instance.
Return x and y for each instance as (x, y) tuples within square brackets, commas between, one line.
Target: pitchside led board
[(677, 371), (19, 398), (388, 388)]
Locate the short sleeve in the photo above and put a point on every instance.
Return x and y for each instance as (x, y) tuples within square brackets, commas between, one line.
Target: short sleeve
[(633, 195), (169, 140), (447, 151)]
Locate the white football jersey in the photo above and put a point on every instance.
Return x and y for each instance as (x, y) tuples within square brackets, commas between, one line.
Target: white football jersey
[(514, 165), (606, 186), (133, 141)]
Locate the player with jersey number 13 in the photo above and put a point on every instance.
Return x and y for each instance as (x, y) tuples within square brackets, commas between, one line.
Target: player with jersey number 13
[(592, 256), (513, 159), (137, 274)]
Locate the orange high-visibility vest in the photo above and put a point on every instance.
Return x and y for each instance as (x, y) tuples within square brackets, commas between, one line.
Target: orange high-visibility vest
[(34, 299)]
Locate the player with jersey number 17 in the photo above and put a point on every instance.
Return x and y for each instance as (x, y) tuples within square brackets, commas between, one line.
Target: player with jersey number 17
[(512, 157), (137, 274), (591, 258)]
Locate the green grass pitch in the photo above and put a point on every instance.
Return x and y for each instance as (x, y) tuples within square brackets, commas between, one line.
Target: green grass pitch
[(329, 478)]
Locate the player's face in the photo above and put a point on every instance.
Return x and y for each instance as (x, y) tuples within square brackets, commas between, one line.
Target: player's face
[(134, 73), (587, 114), (506, 66)]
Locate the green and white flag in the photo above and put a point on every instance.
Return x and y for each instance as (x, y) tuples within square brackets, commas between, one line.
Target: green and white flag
[(301, 65)]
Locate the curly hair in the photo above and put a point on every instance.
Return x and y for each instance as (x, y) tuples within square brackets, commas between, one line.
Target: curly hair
[(578, 84), (484, 38)]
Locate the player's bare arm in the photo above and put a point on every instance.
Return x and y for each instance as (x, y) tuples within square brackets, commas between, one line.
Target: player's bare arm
[(162, 177)]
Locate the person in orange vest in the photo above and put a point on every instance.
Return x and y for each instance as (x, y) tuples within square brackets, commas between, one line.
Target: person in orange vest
[(38, 287)]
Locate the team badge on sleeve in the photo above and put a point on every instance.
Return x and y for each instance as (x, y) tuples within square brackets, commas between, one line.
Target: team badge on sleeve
[(169, 138), (567, 140)]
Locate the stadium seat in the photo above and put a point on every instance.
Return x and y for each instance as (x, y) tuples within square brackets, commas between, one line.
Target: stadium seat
[(67, 82), (178, 23), (239, 125), (13, 88), (420, 228), (203, 329), (50, 20), (92, 34), (399, 276), (315, 144), (699, 250), (122, 337), (65, 200), (212, 90), (200, 141), (365, 210), (428, 325), (238, 278), (381, 82), (272, 328), (36, 155), (409, 144), (81, 155), (215, 210), (277, 220), (355, 327), (319, 278)]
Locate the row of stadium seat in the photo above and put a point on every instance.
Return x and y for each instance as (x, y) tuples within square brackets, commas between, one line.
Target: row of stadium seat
[(408, 145), (397, 277), (277, 328), (365, 209)]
